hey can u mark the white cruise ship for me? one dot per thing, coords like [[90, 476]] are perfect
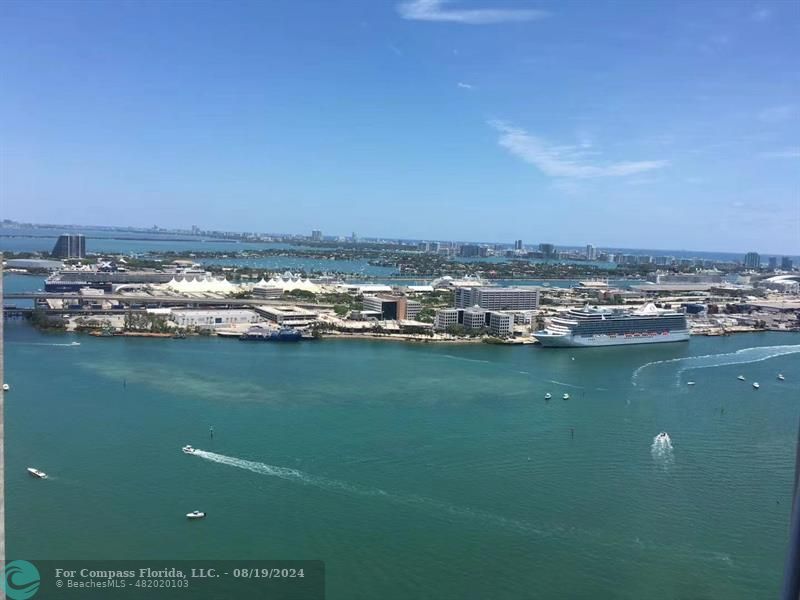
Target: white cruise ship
[[614, 327]]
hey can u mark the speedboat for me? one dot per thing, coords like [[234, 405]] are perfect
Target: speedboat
[[690, 383], [740, 378], [37, 473], [188, 450], [565, 397], [663, 437], [547, 396], [196, 514], [6, 387], [755, 385], [781, 377]]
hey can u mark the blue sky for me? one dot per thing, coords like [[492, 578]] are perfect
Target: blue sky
[[635, 124]]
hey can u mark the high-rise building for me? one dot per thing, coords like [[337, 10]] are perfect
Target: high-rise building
[[591, 253], [316, 235], [70, 245], [786, 263], [773, 263], [752, 260], [469, 250], [498, 298], [547, 250], [518, 245]]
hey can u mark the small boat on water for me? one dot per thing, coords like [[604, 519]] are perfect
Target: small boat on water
[[6, 387], [663, 438], [262, 334], [740, 378], [187, 449], [565, 397], [755, 385], [547, 396], [196, 514], [37, 473], [690, 383], [781, 377]]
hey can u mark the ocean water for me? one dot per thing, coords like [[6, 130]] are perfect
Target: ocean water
[[413, 471]]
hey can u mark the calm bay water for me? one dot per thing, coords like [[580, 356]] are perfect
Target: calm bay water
[[414, 471]]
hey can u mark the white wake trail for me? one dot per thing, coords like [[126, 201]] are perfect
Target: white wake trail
[[707, 361]]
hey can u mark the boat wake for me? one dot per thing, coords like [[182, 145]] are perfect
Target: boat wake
[[707, 361], [69, 345], [661, 449], [335, 485]]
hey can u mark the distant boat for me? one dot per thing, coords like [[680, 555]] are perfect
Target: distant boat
[[755, 385], [547, 396], [6, 387], [565, 397], [37, 473], [740, 378], [196, 514], [781, 377], [690, 383], [188, 450]]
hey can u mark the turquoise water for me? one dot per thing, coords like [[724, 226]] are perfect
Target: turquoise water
[[413, 471]]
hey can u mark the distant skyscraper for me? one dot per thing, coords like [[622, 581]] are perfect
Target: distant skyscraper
[[316, 235], [354, 237], [786, 263], [70, 246], [518, 245], [591, 253], [773, 263], [547, 250], [752, 260], [469, 250]]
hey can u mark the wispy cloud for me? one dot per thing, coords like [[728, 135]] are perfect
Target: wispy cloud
[[777, 114], [437, 10], [465, 86], [761, 14], [565, 161], [787, 153]]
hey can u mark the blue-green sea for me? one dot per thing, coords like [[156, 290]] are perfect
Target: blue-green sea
[[413, 471]]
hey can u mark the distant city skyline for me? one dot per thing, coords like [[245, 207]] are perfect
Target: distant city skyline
[[671, 125]]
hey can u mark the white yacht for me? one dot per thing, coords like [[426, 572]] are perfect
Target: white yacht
[[196, 514], [755, 385], [565, 397], [740, 378], [781, 377], [690, 383], [37, 473], [187, 449], [547, 396]]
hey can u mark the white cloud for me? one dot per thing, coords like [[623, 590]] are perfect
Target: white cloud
[[465, 86], [787, 153], [565, 161], [436, 10], [777, 114]]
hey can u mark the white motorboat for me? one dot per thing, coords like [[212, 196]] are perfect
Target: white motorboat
[[690, 383], [187, 449], [6, 387], [663, 438], [781, 377], [755, 385], [37, 473], [565, 397], [547, 396], [196, 514], [740, 378]]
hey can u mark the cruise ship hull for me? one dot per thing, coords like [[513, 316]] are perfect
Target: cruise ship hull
[[578, 341]]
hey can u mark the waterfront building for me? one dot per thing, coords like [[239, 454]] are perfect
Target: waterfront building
[[501, 324], [287, 316], [211, 319], [786, 263], [474, 318], [38, 264], [547, 250], [70, 245], [498, 298], [591, 253], [393, 308], [446, 318], [773, 263], [266, 292], [316, 235], [518, 245], [752, 260]]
